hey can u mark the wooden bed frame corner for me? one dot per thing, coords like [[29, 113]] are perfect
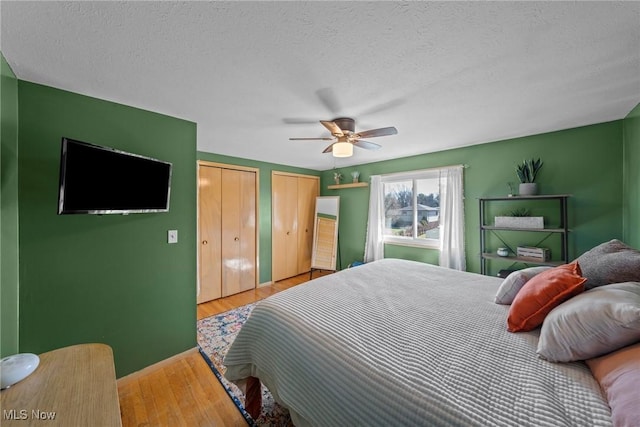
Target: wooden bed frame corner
[[253, 397]]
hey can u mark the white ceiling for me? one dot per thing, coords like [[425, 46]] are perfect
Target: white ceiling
[[445, 74]]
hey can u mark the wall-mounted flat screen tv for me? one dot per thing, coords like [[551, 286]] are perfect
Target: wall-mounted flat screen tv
[[103, 180]]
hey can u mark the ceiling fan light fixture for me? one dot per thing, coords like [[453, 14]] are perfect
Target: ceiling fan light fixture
[[343, 133], [342, 149]]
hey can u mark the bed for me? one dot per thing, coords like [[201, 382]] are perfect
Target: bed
[[397, 342]]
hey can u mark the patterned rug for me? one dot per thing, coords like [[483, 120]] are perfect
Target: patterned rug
[[215, 335]]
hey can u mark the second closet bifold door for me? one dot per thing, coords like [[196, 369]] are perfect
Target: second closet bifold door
[[307, 193], [293, 198], [238, 231], [285, 226]]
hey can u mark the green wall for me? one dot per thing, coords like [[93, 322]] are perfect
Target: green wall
[[584, 162], [111, 278], [264, 222], [9, 210], [631, 221]]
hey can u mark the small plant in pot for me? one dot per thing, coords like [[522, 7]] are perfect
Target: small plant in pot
[[527, 172], [520, 212], [337, 176]]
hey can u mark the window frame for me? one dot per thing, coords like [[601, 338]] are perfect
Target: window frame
[[412, 176]]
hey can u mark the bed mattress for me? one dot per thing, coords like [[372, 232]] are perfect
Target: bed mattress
[[397, 342]]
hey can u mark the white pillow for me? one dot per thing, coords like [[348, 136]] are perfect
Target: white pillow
[[596, 322], [514, 282]]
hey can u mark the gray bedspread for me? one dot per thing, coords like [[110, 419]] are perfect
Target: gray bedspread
[[402, 343]]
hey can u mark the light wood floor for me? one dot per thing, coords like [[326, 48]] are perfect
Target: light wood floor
[[182, 391]]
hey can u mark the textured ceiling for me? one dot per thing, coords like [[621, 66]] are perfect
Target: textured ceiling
[[253, 74]]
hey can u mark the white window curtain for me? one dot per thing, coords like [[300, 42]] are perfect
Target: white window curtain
[[374, 246], [452, 219]]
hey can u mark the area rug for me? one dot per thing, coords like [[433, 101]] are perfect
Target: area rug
[[215, 336]]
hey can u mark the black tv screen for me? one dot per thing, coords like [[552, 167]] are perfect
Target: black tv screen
[[103, 180]]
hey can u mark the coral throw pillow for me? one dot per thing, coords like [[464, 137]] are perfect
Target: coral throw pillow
[[541, 294]]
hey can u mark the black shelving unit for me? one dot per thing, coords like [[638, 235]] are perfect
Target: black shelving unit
[[562, 229]]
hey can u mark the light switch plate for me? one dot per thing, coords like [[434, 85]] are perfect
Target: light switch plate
[[172, 236]]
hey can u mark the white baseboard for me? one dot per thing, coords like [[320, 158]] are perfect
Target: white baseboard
[[262, 285]]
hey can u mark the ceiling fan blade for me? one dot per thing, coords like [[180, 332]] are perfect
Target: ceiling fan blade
[[328, 149], [311, 139], [333, 128], [298, 121], [377, 132], [382, 107], [329, 99], [366, 144]]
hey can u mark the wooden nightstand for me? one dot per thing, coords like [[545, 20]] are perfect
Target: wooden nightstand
[[72, 386]]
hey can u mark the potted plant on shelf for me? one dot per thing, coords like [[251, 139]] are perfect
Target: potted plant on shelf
[[337, 176], [527, 172]]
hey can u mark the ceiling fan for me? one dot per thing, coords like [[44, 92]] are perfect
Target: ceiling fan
[[345, 137]]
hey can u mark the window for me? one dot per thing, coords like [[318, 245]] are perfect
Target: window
[[412, 208], [420, 208], [412, 211]]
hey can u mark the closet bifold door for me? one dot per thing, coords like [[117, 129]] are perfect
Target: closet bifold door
[[209, 221], [284, 199], [307, 193], [227, 230], [292, 219], [238, 231]]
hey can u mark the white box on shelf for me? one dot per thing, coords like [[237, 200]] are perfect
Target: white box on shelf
[[535, 222], [542, 254]]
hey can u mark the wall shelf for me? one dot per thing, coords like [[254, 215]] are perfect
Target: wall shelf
[[351, 185], [523, 260], [485, 228], [538, 230]]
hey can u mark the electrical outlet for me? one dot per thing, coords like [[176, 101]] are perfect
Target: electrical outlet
[[172, 236]]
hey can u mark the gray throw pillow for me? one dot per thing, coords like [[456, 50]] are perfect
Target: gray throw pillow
[[596, 322], [610, 262]]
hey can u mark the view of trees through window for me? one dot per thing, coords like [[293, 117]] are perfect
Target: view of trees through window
[[412, 217]]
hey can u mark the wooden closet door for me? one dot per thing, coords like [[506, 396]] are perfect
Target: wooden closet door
[[307, 193], [238, 231], [209, 217], [284, 225]]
